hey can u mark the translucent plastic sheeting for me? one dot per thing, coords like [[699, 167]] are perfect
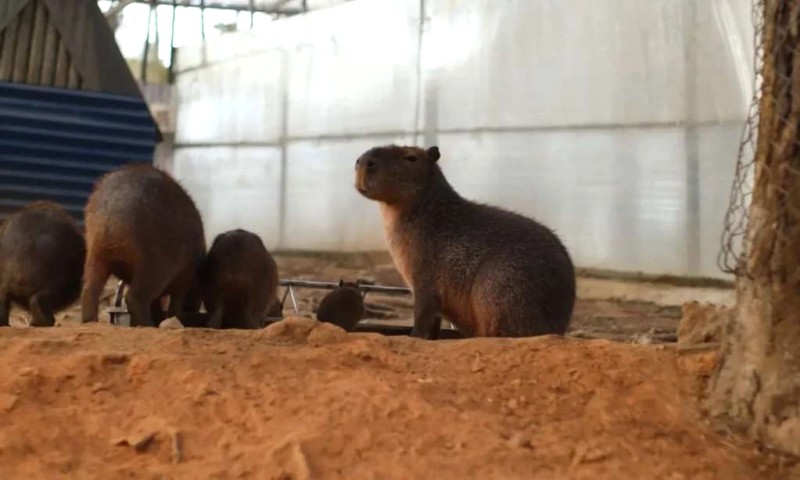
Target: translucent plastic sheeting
[[616, 122]]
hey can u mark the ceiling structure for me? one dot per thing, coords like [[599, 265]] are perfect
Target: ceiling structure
[[272, 7]]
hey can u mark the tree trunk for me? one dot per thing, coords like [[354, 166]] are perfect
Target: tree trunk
[[757, 386]]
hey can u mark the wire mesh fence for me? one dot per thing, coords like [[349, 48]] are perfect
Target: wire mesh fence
[[734, 239], [762, 225]]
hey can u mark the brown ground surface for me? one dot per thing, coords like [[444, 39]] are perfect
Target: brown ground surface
[[298, 400]]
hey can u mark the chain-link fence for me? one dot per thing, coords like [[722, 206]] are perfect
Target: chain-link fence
[[734, 239], [762, 226]]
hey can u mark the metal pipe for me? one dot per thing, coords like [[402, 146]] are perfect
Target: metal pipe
[[333, 285], [172, 43], [203, 22], [143, 72], [274, 9]]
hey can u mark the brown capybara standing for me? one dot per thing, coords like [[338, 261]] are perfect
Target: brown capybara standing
[[343, 306], [143, 228], [41, 262], [240, 281], [491, 272]]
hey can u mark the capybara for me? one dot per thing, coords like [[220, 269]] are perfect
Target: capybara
[[343, 306], [240, 281], [491, 272], [41, 262], [142, 227]]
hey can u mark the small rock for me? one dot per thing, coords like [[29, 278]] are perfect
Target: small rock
[[513, 404], [585, 453], [177, 446], [171, 323], [477, 365], [98, 387], [8, 401], [139, 442], [644, 338], [520, 440], [28, 372]]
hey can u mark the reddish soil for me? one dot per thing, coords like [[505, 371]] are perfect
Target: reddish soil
[[303, 401]]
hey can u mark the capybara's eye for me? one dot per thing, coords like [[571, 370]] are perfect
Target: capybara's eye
[[411, 158]]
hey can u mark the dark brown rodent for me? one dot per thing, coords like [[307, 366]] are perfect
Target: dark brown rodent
[[343, 306], [143, 228], [491, 272], [41, 262], [240, 281]]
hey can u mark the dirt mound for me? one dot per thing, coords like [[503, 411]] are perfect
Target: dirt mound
[[302, 400]]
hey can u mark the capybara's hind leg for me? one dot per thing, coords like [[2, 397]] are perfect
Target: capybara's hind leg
[[252, 320], [41, 309], [183, 299], [94, 280], [139, 302], [156, 311], [5, 309], [216, 318]]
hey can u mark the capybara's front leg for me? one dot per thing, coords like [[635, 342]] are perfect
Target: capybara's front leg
[[427, 314], [5, 309]]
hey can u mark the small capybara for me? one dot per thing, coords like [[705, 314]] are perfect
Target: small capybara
[[41, 262], [239, 281], [343, 306], [142, 227], [491, 272]]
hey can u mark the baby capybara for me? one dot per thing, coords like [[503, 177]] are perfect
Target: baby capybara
[[240, 281], [143, 228], [491, 272], [343, 306], [41, 262]]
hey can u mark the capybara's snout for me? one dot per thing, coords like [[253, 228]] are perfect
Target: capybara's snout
[[365, 166]]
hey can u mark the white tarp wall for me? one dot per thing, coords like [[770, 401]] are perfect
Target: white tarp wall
[[616, 122]]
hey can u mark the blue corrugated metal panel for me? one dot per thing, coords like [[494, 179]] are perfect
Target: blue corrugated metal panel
[[55, 143]]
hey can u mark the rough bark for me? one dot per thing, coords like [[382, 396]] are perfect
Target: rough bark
[[757, 386]]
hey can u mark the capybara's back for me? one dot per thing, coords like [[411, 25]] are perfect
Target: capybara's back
[[240, 281], [343, 306], [41, 262], [143, 228]]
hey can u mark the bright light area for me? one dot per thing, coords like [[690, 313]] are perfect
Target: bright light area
[[132, 28]]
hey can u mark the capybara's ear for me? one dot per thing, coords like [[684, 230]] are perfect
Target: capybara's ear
[[433, 153]]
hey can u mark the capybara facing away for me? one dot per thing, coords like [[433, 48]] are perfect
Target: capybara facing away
[[343, 306], [142, 227], [41, 262], [239, 281], [491, 272]]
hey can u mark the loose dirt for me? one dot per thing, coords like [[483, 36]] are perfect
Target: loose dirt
[[302, 400]]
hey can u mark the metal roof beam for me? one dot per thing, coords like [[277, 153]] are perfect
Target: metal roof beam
[[275, 9]]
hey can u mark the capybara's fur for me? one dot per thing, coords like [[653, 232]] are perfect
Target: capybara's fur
[[343, 306], [41, 262], [240, 281], [142, 227], [491, 272]]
